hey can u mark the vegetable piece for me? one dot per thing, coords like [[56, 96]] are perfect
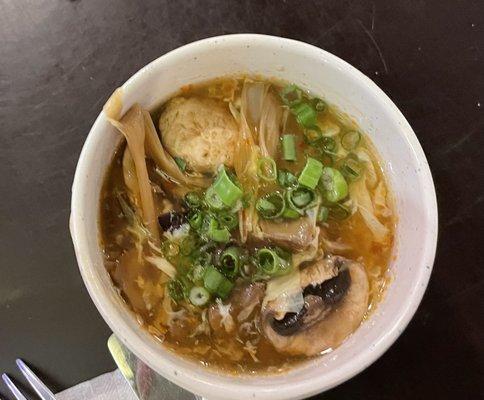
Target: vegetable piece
[[270, 263], [311, 173], [305, 115], [176, 289], [350, 140], [286, 179], [228, 220], [271, 205], [319, 105], [162, 265], [323, 214], [339, 212], [216, 283], [300, 199], [217, 234], [195, 219], [334, 185], [288, 148], [192, 200], [352, 167], [228, 192], [182, 164], [230, 261], [213, 200], [199, 296], [327, 144], [290, 214], [291, 95], [266, 169]]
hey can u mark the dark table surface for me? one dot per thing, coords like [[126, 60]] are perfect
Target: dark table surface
[[59, 62]]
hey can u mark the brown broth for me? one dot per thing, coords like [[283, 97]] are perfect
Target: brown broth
[[143, 286]]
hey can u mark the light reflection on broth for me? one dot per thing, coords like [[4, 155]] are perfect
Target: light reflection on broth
[[239, 263]]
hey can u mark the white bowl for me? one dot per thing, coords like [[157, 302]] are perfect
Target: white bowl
[[405, 166]]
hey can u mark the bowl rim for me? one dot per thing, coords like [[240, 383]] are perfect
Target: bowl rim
[[192, 380]]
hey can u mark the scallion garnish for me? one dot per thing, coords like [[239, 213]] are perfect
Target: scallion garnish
[[199, 296], [288, 147], [270, 263], [334, 185], [228, 192], [228, 220], [291, 95], [182, 164], [323, 214], [213, 200], [271, 205], [230, 261], [192, 200], [339, 212], [195, 219], [305, 115], [350, 140], [351, 167], [319, 104], [289, 213], [266, 169], [217, 234], [286, 179], [311, 173], [300, 199], [216, 283]]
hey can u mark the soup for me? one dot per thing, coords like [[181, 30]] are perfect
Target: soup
[[247, 223]]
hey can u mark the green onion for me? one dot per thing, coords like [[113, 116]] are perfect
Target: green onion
[[319, 104], [339, 212], [228, 192], [311, 173], [195, 219], [291, 95], [323, 214], [270, 263], [266, 169], [300, 199], [170, 249], [187, 245], [199, 296], [334, 184], [176, 289], [192, 200], [228, 220], [213, 200], [212, 278], [328, 144], [271, 205], [350, 140], [216, 283], [230, 261], [305, 115], [286, 179], [289, 213], [182, 164], [217, 234], [196, 273], [352, 167], [289, 148]]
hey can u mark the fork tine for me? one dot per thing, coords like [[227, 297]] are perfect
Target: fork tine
[[39, 387], [18, 395]]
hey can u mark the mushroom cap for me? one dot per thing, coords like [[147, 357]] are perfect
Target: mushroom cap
[[324, 323], [199, 130]]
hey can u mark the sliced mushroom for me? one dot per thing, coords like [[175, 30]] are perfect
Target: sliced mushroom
[[335, 301]]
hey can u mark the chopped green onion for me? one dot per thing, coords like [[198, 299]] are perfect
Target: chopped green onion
[[291, 95], [352, 167], [195, 219], [289, 213], [323, 214], [266, 169], [339, 212], [224, 289], [289, 148], [230, 261], [334, 184], [170, 249], [182, 164], [305, 115], [199, 296], [271, 263], [301, 198], [192, 200], [217, 234], [212, 278], [176, 289], [328, 144], [196, 273], [311, 173], [216, 283], [271, 205], [213, 200], [319, 104], [350, 140], [286, 179], [228, 192], [228, 220]]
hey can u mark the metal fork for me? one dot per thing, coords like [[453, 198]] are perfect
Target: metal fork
[[43, 391]]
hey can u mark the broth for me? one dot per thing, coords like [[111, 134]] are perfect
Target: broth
[[187, 329]]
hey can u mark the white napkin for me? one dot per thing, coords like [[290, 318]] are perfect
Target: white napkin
[[110, 386]]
